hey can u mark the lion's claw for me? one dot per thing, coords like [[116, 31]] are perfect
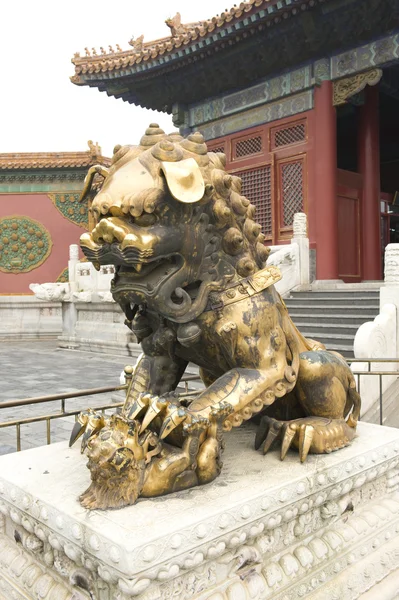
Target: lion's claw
[[177, 415], [141, 402], [88, 424], [307, 434], [269, 431], [156, 406]]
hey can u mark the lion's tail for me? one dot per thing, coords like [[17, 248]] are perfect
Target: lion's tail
[[353, 403]]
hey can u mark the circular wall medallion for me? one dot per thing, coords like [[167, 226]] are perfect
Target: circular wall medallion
[[24, 244]]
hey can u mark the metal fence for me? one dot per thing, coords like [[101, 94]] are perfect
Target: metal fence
[[63, 412], [376, 373], [63, 397]]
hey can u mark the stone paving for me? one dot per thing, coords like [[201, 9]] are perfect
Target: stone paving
[[39, 368]]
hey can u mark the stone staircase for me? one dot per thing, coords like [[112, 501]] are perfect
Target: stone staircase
[[333, 316]]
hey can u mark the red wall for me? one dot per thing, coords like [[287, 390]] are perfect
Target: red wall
[[62, 231]]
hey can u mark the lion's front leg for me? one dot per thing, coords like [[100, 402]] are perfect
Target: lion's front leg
[[153, 376], [245, 391]]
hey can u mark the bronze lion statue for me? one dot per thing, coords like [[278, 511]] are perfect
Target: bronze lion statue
[[192, 280]]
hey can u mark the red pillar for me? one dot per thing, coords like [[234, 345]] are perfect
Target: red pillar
[[369, 167], [326, 183]]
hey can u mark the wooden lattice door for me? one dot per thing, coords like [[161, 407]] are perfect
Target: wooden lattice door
[[257, 187], [272, 163]]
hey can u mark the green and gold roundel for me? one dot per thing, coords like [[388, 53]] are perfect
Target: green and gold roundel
[[70, 208], [24, 244]]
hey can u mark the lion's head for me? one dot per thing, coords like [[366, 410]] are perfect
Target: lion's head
[[174, 224]]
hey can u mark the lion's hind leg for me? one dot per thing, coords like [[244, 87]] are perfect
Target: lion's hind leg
[[326, 391], [314, 435]]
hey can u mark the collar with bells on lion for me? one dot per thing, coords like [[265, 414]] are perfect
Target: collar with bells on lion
[[244, 288]]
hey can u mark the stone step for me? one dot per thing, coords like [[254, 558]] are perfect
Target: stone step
[[360, 301], [310, 318], [329, 328], [333, 316], [336, 294], [340, 309], [330, 340], [345, 349]]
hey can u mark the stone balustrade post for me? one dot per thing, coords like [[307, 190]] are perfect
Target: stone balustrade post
[[72, 262], [389, 291], [300, 237]]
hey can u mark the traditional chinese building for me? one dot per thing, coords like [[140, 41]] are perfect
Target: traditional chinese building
[[302, 97], [40, 214]]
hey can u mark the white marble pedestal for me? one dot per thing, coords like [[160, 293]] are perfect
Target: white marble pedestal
[[324, 530]]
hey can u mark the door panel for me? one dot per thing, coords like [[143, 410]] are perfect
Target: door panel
[[349, 263]]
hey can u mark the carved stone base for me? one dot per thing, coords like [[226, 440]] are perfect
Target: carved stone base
[[97, 327], [325, 529]]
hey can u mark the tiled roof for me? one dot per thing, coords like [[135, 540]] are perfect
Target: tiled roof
[[182, 36], [53, 160]]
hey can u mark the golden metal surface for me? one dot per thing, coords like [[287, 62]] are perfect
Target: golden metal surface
[[192, 279]]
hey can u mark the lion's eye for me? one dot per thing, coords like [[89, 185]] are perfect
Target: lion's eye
[[145, 220]]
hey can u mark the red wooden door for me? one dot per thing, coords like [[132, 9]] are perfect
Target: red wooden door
[[349, 236]]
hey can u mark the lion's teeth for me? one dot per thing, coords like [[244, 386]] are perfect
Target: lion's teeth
[[138, 267]]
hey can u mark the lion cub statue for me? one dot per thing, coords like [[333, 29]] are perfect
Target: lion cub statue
[[192, 280]]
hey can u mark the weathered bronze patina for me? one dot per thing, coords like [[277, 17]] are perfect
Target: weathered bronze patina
[[192, 280]]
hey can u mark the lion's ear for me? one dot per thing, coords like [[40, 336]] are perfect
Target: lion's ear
[[184, 179]]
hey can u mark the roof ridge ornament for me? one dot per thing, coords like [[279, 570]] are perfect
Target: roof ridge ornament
[[137, 44], [94, 148], [177, 28]]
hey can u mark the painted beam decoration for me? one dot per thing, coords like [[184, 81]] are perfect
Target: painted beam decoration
[[24, 244]]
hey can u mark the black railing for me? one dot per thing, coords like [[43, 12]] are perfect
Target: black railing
[[63, 412], [63, 397]]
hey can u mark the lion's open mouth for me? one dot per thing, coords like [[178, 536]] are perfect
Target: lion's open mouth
[[153, 272], [132, 286]]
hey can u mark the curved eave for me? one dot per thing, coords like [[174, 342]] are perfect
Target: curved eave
[[265, 42], [105, 71]]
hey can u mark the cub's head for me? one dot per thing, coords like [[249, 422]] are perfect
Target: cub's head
[[116, 463]]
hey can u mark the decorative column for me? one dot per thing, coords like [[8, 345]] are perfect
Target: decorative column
[[369, 167], [326, 183]]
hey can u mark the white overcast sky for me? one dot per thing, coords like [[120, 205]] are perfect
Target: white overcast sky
[[40, 109]]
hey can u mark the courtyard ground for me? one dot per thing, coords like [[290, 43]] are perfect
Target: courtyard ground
[[39, 368]]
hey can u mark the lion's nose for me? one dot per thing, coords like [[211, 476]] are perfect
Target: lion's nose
[[104, 205], [109, 231]]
